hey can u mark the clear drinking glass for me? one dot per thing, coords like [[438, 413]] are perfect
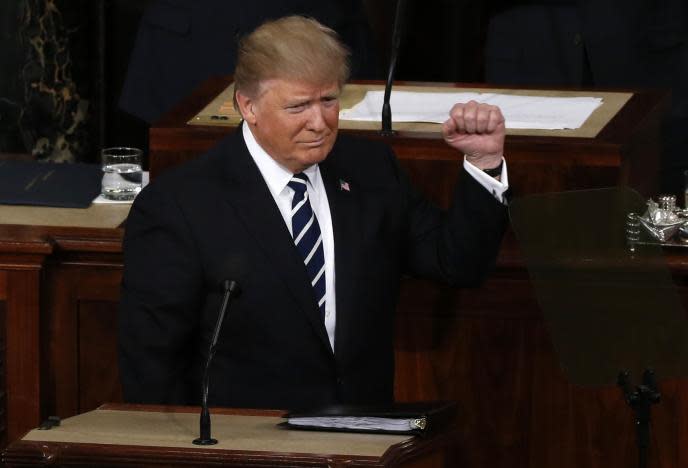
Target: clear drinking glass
[[121, 173]]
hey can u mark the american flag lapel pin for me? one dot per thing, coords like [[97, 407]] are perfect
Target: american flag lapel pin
[[344, 185]]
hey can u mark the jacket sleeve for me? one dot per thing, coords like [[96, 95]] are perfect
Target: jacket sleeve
[[457, 246], [160, 300]]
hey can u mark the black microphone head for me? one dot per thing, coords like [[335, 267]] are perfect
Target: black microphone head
[[231, 286], [231, 268]]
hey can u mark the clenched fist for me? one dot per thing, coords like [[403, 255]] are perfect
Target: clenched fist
[[477, 130]]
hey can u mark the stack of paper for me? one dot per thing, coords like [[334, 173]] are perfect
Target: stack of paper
[[524, 112]]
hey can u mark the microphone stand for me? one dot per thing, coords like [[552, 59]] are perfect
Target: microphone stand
[[231, 289], [396, 43], [641, 401]]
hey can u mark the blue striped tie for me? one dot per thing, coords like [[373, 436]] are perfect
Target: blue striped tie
[[307, 237]]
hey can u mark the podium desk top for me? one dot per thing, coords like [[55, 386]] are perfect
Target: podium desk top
[[137, 435], [233, 431], [101, 216]]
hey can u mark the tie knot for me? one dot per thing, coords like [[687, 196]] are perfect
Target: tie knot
[[298, 183]]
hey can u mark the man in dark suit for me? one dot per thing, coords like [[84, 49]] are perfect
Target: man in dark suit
[[317, 230], [635, 43], [181, 43]]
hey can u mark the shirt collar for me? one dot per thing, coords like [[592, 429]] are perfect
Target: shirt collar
[[276, 175]]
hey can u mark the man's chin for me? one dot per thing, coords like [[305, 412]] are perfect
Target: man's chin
[[315, 157], [316, 154]]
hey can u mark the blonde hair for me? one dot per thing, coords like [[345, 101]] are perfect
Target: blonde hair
[[294, 48]]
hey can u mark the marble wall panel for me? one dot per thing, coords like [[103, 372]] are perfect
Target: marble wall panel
[[44, 105]]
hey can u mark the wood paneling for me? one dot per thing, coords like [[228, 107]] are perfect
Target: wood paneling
[[81, 335], [22, 352], [3, 366], [22, 253], [28, 256], [3, 286]]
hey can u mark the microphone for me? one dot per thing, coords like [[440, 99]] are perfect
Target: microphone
[[396, 43], [231, 289]]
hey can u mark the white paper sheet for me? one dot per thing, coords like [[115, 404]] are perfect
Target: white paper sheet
[[524, 112]]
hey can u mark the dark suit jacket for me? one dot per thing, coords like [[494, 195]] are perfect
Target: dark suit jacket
[[215, 219], [180, 43]]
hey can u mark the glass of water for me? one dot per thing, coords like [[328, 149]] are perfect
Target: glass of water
[[121, 173]]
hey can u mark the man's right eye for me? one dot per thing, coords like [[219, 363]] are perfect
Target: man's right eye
[[296, 108]]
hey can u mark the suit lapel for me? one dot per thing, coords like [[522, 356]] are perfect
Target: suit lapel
[[344, 198], [256, 209]]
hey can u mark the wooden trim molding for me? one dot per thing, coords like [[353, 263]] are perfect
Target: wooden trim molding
[[22, 353], [23, 252], [3, 285]]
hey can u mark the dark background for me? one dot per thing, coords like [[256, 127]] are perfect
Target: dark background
[[63, 64]]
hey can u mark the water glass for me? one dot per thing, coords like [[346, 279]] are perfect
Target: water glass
[[121, 173]]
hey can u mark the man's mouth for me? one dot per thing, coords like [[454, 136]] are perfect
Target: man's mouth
[[314, 143]]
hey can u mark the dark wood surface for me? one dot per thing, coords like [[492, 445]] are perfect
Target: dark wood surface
[[21, 258], [3, 362], [39, 306], [624, 152], [416, 452]]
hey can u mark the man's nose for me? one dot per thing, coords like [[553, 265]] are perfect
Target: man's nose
[[316, 118]]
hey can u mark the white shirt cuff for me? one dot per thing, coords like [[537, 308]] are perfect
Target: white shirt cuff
[[492, 185]]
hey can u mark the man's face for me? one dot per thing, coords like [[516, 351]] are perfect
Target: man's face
[[295, 122]]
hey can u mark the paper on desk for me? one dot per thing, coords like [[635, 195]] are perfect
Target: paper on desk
[[526, 112]]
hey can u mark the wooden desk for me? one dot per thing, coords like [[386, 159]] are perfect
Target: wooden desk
[[150, 436], [626, 151], [59, 286]]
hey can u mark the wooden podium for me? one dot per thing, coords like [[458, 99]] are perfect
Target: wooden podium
[[127, 435]]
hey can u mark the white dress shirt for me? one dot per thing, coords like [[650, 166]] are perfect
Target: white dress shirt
[[494, 186], [277, 177]]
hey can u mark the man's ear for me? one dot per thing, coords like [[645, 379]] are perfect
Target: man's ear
[[245, 104]]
